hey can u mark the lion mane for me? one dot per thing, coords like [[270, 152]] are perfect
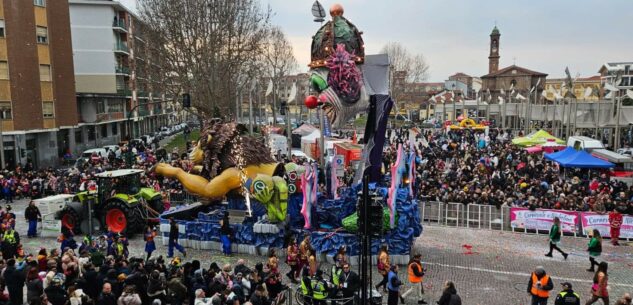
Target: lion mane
[[220, 152]]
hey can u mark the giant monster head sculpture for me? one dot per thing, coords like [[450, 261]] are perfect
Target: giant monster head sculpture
[[337, 53]]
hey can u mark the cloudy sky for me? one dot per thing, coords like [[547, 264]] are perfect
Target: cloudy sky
[[453, 36]]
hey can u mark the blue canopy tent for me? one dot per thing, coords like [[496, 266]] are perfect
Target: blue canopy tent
[[560, 154], [578, 159]]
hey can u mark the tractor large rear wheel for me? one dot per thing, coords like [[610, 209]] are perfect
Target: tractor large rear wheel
[[120, 217], [70, 219]]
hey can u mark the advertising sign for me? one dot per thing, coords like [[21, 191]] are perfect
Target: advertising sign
[[542, 220], [600, 222]]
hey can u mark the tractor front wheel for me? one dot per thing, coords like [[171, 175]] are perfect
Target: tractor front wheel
[[70, 219], [119, 217]]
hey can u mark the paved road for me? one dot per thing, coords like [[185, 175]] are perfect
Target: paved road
[[494, 271]]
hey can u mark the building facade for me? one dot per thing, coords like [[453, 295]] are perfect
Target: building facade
[[580, 90], [37, 95], [499, 81], [618, 74], [118, 75]]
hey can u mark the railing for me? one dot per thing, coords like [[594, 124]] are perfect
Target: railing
[[124, 91], [119, 23], [489, 217], [121, 47], [122, 70]]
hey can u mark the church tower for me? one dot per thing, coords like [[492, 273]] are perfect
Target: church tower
[[493, 59]]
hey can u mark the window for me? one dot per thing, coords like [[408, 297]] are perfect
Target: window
[[39, 2], [5, 110], [101, 106], [91, 133], [78, 136], [45, 73], [104, 130], [115, 106], [48, 109], [115, 129], [1, 28], [4, 70], [42, 34]]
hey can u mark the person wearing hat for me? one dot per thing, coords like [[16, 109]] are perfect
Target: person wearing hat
[[416, 274], [567, 296], [539, 286]]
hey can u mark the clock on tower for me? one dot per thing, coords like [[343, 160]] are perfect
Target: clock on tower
[[493, 59]]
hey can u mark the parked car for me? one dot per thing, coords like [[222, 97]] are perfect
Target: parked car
[[102, 152]]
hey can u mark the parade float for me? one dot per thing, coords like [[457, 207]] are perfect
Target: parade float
[[270, 202]]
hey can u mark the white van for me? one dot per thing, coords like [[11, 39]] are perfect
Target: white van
[[586, 143], [102, 152]]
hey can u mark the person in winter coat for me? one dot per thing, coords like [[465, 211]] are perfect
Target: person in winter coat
[[449, 296], [34, 287], [594, 248], [539, 286], [32, 215], [14, 279], [129, 296], [177, 290], [156, 287], [77, 296], [554, 238], [393, 286], [173, 239], [567, 296], [600, 283], [56, 294], [107, 297]]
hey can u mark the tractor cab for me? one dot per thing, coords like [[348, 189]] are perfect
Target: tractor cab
[[123, 183]]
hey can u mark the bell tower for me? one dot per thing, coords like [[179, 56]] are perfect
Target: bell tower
[[493, 59]]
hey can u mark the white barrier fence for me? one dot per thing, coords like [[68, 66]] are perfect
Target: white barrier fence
[[490, 217]]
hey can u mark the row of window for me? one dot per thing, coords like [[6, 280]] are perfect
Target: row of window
[[48, 110], [41, 32], [45, 71], [92, 132]]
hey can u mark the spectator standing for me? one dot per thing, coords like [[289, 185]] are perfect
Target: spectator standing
[[600, 282], [107, 297], [34, 287], [416, 274], [567, 296], [555, 234], [14, 279], [383, 265], [32, 215], [129, 296], [10, 242], [615, 221], [594, 248], [449, 295], [539, 286], [292, 259], [393, 286], [349, 282], [177, 290], [225, 234], [624, 300], [173, 239], [57, 295]]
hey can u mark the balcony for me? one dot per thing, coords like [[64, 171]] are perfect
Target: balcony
[[141, 94], [119, 25], [125, 91], [121, 48], [143, 112], [122, 70]]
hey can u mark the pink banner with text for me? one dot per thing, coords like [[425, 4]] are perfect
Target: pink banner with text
[[542, 220], [601, 223]]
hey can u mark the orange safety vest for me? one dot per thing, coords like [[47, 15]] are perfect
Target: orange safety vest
[[412, 277], [539, 292]]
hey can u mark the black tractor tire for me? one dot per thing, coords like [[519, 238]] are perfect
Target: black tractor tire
[[70, 219], [157, 205], [118, 215]]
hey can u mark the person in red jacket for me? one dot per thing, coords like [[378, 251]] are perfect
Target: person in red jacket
[[615, 221]]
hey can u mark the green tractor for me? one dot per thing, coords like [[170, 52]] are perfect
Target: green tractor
[[119, 204]]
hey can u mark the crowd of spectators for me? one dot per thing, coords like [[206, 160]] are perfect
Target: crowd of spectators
[[470, 167]]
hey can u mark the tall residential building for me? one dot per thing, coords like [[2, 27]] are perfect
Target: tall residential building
[[37, 94], [614, 71], [118, 78]]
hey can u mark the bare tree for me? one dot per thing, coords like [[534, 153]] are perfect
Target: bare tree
[[279, 61], [206, 45], [405, 68]]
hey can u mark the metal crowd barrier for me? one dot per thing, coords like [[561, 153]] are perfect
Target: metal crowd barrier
[[456, 214]]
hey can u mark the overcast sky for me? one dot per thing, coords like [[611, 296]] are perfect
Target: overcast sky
[[453, 36]]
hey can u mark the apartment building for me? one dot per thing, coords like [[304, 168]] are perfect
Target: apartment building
[[37, 95]]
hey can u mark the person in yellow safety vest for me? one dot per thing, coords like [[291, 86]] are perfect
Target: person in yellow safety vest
[[539, 286], [319, 289], [306, 286], [118, 247], [10, 242], [337, 270], [416, 274]]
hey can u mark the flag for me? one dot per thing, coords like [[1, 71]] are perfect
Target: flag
[[503, 92], [512, 86], [443, 99], [629, 93], [609, 95], [512, 92], [520, 97], [293, 93], [544, 93], [588, 92], [532, 90], [500, 100], [568, 79], [374, 137], [489, 95], [269, 90]]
